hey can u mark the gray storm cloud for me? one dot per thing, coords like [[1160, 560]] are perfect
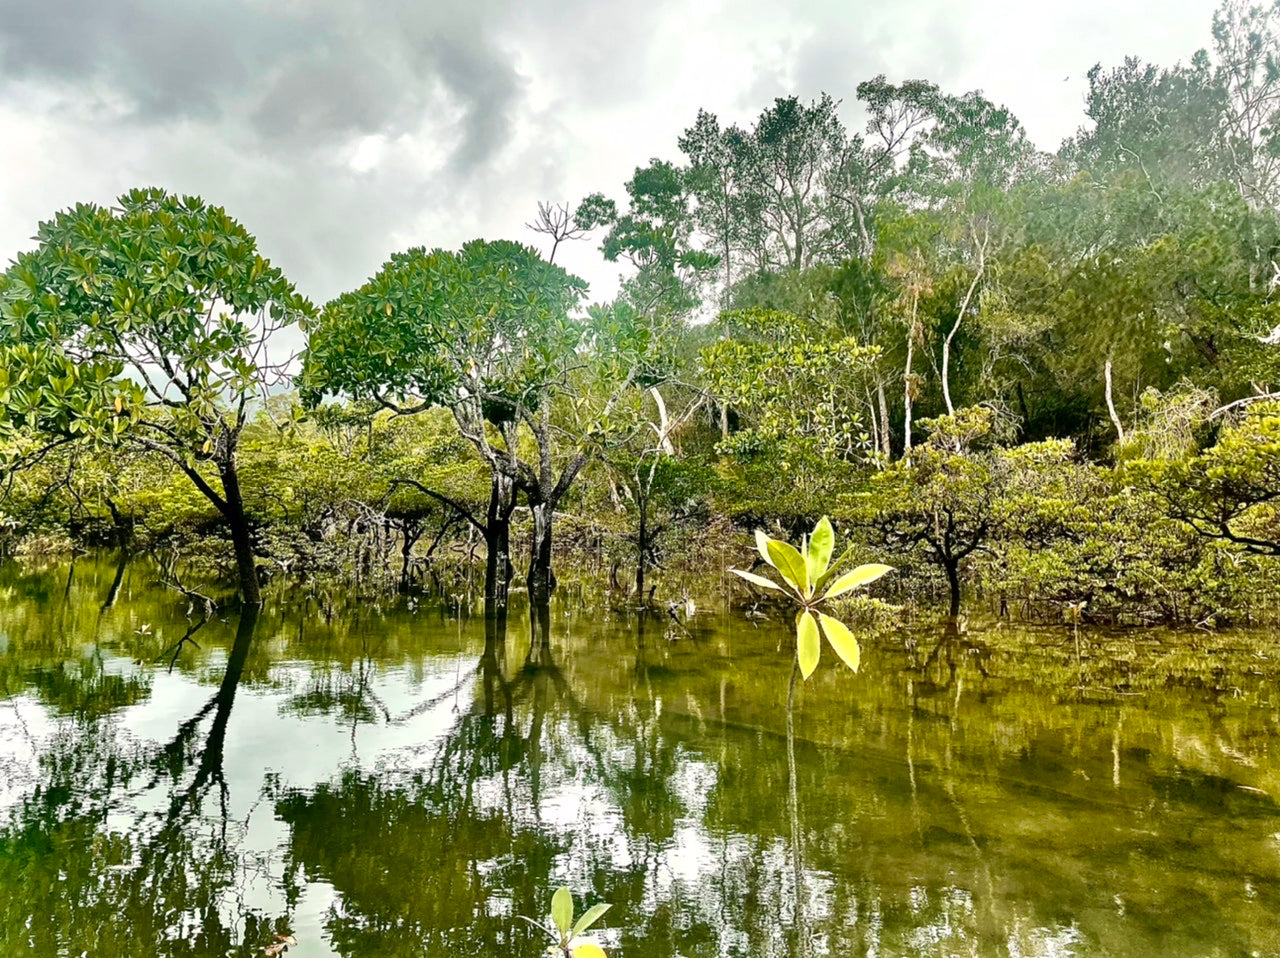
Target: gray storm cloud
[[341, 130], [293, 73]]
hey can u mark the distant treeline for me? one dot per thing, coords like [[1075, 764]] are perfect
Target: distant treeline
[[1052, 375]]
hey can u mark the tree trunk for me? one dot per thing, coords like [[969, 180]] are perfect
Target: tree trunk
[[241, 538], [964, 308], [886, 444], [906, 396], [642, 542], [410, 535], [952, 567], [541, 579], [121, 525], [1111, 406], [497, 539]]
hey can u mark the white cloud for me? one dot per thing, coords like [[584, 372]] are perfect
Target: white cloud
[[339, 132]]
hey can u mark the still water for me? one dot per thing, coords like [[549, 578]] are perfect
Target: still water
[[378, 777]]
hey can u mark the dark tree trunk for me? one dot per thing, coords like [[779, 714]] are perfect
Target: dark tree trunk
[[952, 567], [497, 539], [241, 538], [409, 538], [541, 579], [121, 525], [642, 542]]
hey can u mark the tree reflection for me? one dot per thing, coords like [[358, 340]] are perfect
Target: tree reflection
[[960, 795], [113, 854], [441, 861]]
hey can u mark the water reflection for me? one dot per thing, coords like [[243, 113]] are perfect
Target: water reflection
[[382, 778], [116, 850]]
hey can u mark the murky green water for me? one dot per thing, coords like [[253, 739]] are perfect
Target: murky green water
[[381, 780]]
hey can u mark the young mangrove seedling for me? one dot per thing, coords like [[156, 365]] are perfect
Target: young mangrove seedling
[[809, 579], [564, 934]]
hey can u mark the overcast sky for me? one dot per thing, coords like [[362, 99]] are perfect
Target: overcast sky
[[339, 131]]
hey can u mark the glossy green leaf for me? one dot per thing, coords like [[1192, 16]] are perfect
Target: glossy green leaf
[[589, 918], [762, 545], [757, 579], [821, 545], [832, 570], [562, 910], [862, 575], [787, 559], [808, 643], [841, 640]]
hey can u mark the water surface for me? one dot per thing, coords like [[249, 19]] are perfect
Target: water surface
[[382, 777]]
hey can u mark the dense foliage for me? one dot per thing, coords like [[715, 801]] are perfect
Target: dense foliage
[[1047, 375]]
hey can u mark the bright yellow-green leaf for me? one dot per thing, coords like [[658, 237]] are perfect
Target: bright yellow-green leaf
[[588, 950], [562, 910], [832, 569], [757, 579], [589, 918], [787, 559], [862, 575], [821, 544], [762, 545], [841, 640], [808, 643]]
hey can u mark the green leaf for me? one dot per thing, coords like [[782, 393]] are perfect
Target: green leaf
[[808, 643], [841, 640], [862, 575], [821, 544], [562, 910], [757, 579], [589, 918], [787, 559], [762, 545], [832, 569]]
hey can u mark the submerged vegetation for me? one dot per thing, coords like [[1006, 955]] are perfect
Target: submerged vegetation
[[1047, 380]]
